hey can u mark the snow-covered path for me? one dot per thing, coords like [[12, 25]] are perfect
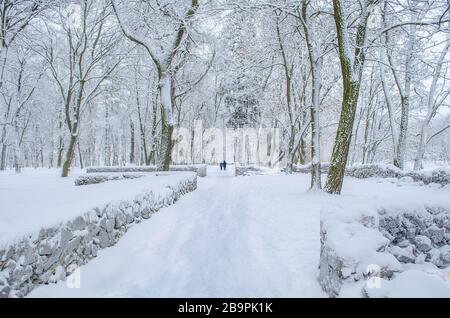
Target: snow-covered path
[[233, 237]]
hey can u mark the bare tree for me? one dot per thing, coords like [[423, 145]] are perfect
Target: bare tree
[[351, 68], [79, 82], [316, 62], [164, 64], [15, 16], [433, 102]]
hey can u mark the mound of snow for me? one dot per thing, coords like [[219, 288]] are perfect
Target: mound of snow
[[413, 284]]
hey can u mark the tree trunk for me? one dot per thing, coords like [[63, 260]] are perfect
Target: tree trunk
[[315, 62], [4, 144], [60, 152], [351, 78], [107, 137], [69, 155], [166, 144], [3, 158], [399, 160], [132, 143], [343, 138], [316, 183], [17, 152], [167, 124], [302, 151], [151, 158], [80, 155]]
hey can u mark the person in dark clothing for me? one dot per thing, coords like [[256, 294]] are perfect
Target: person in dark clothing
[[221, 166], [224, 164]]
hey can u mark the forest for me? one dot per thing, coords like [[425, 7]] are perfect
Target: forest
[[223, 149], [106, 82]]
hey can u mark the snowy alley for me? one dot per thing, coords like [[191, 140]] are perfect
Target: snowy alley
[[224, 149], [239, 237], [254, 236]]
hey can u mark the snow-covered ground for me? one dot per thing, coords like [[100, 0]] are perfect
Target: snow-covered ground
[[39, 197], [255, 236], [240, 237]]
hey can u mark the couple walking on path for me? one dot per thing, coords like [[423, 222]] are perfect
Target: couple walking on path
[[223, 165]]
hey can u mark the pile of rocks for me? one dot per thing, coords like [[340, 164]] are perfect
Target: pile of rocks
[[419, 238], [54, 252]]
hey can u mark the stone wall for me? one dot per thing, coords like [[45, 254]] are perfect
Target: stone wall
[[324, 166], [201, 169], [94, 178], [247, 170], [439, 175], [252, 170], [330, 267], [54, 252], [417, 237]]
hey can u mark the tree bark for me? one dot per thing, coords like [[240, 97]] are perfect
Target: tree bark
[[167, 124], [132, 143], [69, 155], [315, 62], [351, 78]]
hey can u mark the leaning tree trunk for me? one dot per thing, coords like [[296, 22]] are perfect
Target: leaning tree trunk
[[69, 155], [351, 79], [343, 137], [80, 155]]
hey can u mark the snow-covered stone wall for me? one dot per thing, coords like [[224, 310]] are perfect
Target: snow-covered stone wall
[[324, 166], [94, 178], [251, 170], [55, 252], [382, 245], [438, 175], [200, 169]]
